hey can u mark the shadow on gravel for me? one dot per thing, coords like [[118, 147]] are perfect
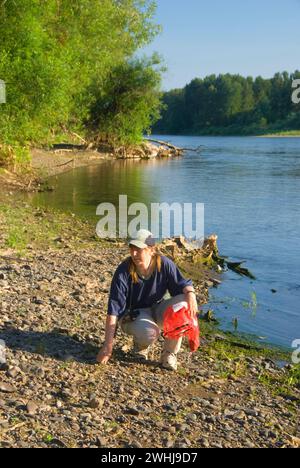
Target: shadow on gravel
[[55, 344], [126, 359]]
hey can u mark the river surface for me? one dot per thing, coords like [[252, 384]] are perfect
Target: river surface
[[251, 191]]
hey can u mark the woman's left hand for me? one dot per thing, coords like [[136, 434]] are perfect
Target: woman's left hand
[[193, 305]]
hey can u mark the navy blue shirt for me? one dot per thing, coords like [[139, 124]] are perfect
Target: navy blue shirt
[[146, 292]]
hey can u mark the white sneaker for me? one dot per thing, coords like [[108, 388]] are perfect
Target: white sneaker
[[141, 355], [169, 361]]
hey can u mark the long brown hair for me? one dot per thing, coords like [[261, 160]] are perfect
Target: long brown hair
[[156, 260]]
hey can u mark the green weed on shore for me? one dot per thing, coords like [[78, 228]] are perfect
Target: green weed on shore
[[25, 228]]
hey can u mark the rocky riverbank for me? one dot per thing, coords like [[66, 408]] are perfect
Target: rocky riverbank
[[54, 288]]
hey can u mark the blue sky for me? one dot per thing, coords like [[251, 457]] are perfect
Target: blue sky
[[200, 37]]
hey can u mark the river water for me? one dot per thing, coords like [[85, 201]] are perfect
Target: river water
[[251, 191]]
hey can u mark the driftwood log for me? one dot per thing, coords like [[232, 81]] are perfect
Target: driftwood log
[[64, 164], [163, 143], [192, 257], [172, 147], [160, 149]]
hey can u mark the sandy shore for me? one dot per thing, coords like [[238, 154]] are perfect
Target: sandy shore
[[49, 163]]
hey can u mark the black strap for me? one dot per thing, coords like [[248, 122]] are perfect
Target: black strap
[[131, 295], [133, 314]]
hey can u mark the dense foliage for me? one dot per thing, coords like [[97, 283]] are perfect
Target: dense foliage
[[231, 104], [128, 102], [58, 57]]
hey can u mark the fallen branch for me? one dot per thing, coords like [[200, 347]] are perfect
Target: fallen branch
[[68, 147], [169, 145], [164, 143], [79, 137], [237, 268], [195, 150], [64, 164]]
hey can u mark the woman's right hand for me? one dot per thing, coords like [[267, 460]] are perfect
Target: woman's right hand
[[104, 354]]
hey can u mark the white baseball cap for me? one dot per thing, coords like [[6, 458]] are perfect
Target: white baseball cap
[[142, 239]]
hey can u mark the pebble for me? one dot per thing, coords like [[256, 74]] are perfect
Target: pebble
[[6, 388], [32, 408], [96, 402], [13, 372]]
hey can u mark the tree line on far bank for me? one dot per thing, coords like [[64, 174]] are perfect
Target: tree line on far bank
[[71, 67], [231, 105]]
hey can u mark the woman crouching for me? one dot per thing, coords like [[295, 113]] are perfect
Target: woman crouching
[[137, 301]]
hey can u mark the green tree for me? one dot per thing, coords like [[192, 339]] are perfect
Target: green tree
[[173, 116], [231, 104], [280, 96], [57, 55], [128, 103]]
